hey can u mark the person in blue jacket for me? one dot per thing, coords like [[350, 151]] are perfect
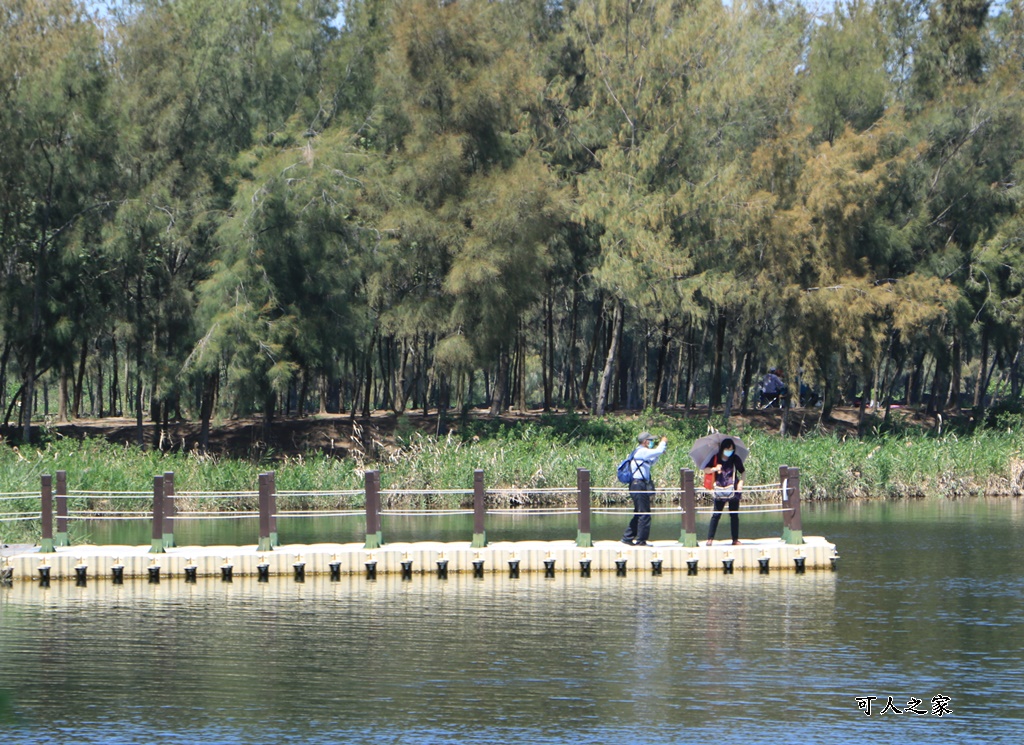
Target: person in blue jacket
[[641, 488]]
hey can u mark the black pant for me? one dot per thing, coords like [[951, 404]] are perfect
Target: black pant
[[734, 517], [639, 528]]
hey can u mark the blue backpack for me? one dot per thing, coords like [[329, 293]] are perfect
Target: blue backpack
[[625, 469]]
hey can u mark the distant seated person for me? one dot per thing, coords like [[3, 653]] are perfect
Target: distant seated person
[[808, 396], [773, 389]]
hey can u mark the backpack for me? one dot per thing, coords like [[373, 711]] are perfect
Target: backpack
[[709, 478], [625, 469]]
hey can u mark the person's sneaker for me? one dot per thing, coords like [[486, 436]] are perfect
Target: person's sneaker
[[643, 543], [628, 542]]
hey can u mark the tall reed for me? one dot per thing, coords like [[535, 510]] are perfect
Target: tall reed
[[521, 460]]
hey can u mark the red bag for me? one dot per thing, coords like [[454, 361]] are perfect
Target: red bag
[[709, 478]]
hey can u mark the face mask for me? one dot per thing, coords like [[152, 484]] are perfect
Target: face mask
[[727, 453]]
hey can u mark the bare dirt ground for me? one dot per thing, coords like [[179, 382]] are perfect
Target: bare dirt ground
[[337, 434]]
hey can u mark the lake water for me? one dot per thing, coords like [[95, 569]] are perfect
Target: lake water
[[927, 604]]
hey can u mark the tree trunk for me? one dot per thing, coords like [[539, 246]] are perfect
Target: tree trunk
[[115, 382], [694, 365], [659, 395], [1013, 373], [62, 395], [500, 384], [368, 374], [76, 405], [570, 391], [3, 374], [210, 383], [28, 396], [548, 358], [956, 373], [715, 396], [869, 383], [156, 414], [609, 364], [588, 365], [624, 372], [982, 364], [398, 378], [985, 378], [749, 364]]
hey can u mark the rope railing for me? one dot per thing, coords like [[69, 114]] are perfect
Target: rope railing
[[419, 492], [341, 493], [217, 516], [214, 494], [131, 516], [425, 513], [165, 502], [318, 513], [115, 494]]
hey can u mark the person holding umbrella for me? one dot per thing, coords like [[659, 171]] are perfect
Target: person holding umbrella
[[641, 488], [722, 457]]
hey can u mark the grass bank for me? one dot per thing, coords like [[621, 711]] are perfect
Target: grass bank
[[533, 455]]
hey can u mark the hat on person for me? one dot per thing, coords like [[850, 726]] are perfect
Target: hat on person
[[644, 437]]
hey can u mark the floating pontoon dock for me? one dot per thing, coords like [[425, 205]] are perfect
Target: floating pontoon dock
[[56, 559], [113, 562]]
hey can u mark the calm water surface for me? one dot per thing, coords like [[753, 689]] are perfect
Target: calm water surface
[[928, 601]]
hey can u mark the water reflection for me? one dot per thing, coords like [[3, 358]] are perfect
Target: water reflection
[[392, 655], [926, 602]]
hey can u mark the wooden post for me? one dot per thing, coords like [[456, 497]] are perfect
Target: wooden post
[[46, 514], [157, 543], [479, 511], [688, 506], [272, 484], [583, 536], [784, 485], [796, 528], [264, 544], [61, 538], [170, 509], [373, 530]]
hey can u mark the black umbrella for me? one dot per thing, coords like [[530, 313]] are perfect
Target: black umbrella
[[710, 445]]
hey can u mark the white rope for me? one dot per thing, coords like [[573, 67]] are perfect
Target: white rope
[[535, 511], [36, 515], [18, 519], [345, 493], [422, 513], [218, 516], [316, 514], [629, 511], [339, 513], [393, 492], [12, 496], [674, 491], [190, 513], [92, 513], [86, 517], [216, 494], [76, 493], [746, 510], [532, 490]]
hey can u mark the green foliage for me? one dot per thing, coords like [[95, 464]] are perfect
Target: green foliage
[[222, 208]]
